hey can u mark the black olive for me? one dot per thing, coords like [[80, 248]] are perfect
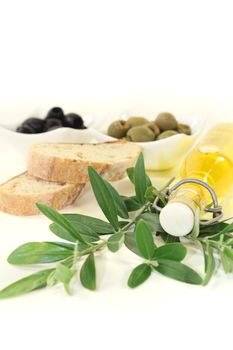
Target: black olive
[[56, 113], [73, 120], [36, 124], [25, 129], [52, 123], [55, 119]]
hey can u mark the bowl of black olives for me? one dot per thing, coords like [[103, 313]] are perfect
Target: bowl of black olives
[[164, 139], [55, 126], [55, 119]]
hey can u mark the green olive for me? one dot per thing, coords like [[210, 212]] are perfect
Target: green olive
[[140, 134], [118, 129], [166, 134], [184, 129], [166, 121], [154, 128], [136, 121]]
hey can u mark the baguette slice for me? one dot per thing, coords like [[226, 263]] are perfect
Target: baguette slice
[[19, 194], [67, 162]]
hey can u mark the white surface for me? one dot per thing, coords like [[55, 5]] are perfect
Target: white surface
[[177, 219], [142, 316], [104, 57]]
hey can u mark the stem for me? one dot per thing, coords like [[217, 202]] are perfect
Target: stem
[[68, 261], [215, 244], [167, 184], [230, 241], [92, 249], [125, 228], [72, 260], [75, 256]]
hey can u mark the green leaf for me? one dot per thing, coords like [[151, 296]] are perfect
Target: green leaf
[[39, 253], [144, 240], [97, 225], [227, 229], [139, 275], [227, 259], [130, 243], [61, 233], [64, 275], [120, 204], [82, 247], [212, 229], [88, 234], [88, 273], [123, 223], [209, 264], [131, 203], [51, 280], [130, 173], [63, 245], [152, 220], [152, 193], [140, 179], [61, 221], [196, 227], [170, 251], [26, 284], [104, 197], [217, 231], [168, 238], [115, 241], [228, 241], [178, 271]]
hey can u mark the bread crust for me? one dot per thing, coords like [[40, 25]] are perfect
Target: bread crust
[[24, 204], [60, 169]]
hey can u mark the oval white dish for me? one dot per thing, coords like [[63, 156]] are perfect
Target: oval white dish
[[21, 142]]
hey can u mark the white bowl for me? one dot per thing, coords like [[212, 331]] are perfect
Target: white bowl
[[21, 142], [166, 153], [158, 155]]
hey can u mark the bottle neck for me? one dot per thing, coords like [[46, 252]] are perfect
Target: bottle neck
[[190, 195]]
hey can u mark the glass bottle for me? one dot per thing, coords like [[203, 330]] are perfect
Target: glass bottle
[[211, 161]]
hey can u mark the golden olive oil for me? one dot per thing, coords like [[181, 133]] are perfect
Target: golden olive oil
[[212, 162]]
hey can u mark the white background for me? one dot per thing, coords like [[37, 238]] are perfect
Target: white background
[[102, 58]]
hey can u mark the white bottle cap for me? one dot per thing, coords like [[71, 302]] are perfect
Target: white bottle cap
[[177, 219]]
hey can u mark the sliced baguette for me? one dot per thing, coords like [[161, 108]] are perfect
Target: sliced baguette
[[67, 162], [19, 194]]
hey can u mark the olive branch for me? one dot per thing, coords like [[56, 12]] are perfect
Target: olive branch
[[132, 223]]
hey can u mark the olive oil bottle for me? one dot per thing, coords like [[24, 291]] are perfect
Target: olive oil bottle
[[211, 162]]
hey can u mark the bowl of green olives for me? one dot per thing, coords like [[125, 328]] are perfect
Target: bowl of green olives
[[164, 139]]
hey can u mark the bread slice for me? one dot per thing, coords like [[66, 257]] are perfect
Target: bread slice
[[68, 162], [19, 194]]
